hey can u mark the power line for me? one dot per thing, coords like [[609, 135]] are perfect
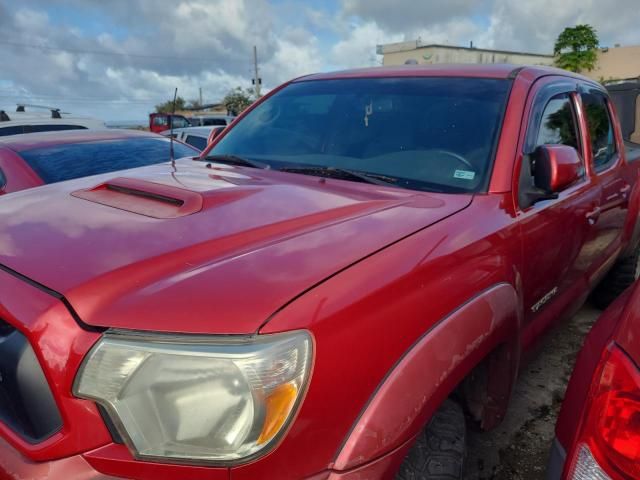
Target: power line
[[103, 52], [82, 102], [14, 94]]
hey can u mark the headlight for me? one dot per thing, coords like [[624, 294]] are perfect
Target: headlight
[[195, 399]]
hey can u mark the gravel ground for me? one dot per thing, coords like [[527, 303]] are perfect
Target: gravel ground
[[518, 449]]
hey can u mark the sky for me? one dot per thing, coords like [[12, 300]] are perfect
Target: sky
[[117, 59]]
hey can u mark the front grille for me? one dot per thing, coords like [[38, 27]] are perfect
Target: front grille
[[26, 403]]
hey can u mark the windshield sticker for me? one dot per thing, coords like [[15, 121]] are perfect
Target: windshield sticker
[[464, 174]]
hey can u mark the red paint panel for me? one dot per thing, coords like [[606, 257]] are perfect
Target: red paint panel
[[59, 344], [421, 380]]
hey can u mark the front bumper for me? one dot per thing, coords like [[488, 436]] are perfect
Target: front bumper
[[15, 466]]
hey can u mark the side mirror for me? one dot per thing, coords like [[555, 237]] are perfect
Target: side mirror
[[547, 171], [215, 131], [556, 167]]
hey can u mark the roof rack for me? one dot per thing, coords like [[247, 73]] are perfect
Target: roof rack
[[55, 112], [4, 117]]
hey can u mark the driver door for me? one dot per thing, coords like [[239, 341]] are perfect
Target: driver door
[[557, 234]]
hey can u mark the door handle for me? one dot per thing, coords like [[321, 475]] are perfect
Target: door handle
[[625, 190], [593, 215]]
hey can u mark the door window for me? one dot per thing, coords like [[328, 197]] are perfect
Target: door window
[[162, 121], [199, 142], [180, 122], [603, 144], [558, 125]]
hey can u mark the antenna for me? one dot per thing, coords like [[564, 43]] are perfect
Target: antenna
[[173, 112]]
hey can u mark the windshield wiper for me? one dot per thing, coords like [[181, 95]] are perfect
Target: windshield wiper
[[236, 160], [342, 174]]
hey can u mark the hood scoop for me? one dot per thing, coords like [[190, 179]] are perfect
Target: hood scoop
[[144, 198]]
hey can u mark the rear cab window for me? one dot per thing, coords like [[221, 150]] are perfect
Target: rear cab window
[[68, 161]]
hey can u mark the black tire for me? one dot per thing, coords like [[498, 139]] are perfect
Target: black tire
[[439, 451], [622, 275]]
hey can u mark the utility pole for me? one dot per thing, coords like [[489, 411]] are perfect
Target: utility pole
[[200, 88], [256, 79]]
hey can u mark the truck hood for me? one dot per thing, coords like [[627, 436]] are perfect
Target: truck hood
[[192, 249]]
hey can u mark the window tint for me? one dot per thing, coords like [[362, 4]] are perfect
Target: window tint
[[52, 128], [11, 131], [558, 125], [198, 142], [432, 134], [179, 122], [64, 162], [603, 143], [214, 121]]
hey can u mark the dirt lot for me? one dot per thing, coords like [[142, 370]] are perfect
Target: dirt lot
[[518, 449]]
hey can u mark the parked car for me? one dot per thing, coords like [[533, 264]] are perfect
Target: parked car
[[210, 120], [39, 158], [197, 137], [357, 260], [159, 122], [598, 430], [36, 120]]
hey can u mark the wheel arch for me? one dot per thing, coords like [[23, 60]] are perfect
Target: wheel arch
[[485, 328]]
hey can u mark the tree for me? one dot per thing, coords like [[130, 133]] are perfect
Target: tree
[[576, 48], [237, 99], [167, 107]]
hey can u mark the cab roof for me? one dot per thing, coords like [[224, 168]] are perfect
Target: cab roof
[[495, 70]]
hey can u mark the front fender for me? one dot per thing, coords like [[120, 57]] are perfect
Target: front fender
[[430, 370]]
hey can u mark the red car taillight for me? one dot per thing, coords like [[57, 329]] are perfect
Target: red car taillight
[[609, 442]]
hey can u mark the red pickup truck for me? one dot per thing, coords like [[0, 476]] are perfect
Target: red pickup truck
[[334, 290]]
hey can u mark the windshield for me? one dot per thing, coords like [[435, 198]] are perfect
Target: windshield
[[75, 160], [432, 134]]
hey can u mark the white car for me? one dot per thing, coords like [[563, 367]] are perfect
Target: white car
[[210, 120], [195, 136], [43, 119]]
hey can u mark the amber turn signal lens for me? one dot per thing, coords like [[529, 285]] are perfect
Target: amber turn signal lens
[[278, 405]]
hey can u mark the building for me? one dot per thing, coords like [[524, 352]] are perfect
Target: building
[[617, 63], [399, 53], [206, 109]]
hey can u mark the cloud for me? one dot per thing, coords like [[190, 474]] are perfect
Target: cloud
[[405, 16], [117, 59], [358, 48], [534, 26], [192, 44]]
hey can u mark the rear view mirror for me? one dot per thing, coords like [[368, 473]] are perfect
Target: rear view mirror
[[556, 167], [215, 131]]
